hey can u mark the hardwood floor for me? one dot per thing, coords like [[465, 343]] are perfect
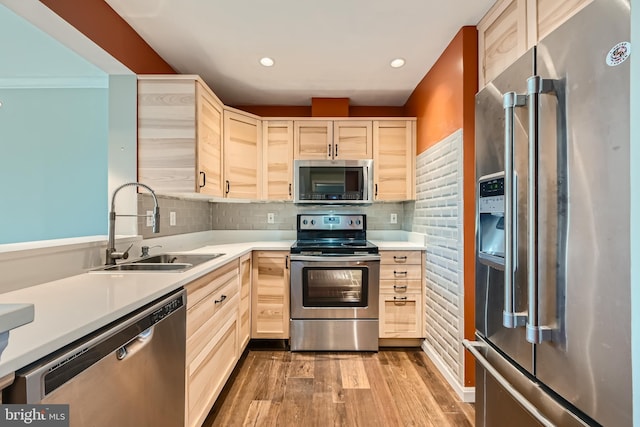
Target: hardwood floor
[[395, 387]]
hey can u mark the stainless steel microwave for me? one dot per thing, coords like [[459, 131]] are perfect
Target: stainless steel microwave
[[336, 182]]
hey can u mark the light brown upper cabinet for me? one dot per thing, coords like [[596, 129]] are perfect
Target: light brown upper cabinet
[[394, 147], [179, 135], [334, 140], [242, 136], [511, 27], [277, 159], [352, 140], [547, 15], [502, 38]]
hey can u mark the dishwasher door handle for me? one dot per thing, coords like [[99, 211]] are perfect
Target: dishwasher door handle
[[135, 344]]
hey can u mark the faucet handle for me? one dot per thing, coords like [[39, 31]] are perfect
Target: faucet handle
[[125, 254]]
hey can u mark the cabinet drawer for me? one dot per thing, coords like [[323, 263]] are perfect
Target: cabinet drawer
[[209, 306], [400, 316], [400, 286], [400, 257], [207, 373], [406, 272], [200, 288]]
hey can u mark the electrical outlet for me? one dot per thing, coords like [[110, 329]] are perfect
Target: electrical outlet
[[271, 218], [172, 218], [393, 219], [149, 218]]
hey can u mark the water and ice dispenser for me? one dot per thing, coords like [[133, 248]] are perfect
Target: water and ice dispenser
[[491, 221]]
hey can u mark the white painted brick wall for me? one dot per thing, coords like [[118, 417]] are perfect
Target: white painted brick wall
[[438, 214]]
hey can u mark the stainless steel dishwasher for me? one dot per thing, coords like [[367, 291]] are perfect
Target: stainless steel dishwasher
[[130, 373]]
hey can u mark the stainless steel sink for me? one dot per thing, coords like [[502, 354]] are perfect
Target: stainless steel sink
[[170, 258], [170, 262]]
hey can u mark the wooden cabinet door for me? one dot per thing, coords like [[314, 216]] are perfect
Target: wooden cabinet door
[[394, 160], [241, 154], [244, 316], [270, 295], [352, 140], [167, 134], [277, 159], [544, 16], [502, 38], [209, 136], [313, 140]]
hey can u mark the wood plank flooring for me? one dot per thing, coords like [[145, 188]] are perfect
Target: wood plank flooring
[[395, 387]]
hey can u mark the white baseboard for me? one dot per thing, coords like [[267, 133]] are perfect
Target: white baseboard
[[466, 394]]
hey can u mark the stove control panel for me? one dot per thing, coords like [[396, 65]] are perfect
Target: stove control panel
[[331, 222]]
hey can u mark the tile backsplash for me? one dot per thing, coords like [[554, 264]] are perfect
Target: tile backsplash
[[201, 215], [253, 216], [191, 215]]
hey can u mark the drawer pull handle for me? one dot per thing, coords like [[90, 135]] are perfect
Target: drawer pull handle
[[399, 273], [219, 301], [400, 300], [399, 258], [400, 287]]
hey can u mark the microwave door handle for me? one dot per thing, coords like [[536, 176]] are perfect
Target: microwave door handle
[[536, 333], [510, 317]]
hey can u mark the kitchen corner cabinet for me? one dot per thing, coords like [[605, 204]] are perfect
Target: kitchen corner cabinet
[[277, 159], [270, 295], [401, 294], [333, 139], [212, 348], [242, 134], [244, 314], [394, 148], [179, 135], [511, 27]]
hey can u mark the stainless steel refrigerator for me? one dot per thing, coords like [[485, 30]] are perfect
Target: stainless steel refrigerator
[[553, 325]]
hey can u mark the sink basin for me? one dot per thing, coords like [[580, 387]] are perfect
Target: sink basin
[[147, 267], [162, 262], [170, 258]]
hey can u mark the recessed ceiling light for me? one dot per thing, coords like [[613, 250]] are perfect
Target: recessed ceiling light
[[397, 63], [267, 62]]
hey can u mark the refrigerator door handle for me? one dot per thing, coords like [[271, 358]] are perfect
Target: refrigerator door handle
[[510, 317], [472, 347], [536, 333]]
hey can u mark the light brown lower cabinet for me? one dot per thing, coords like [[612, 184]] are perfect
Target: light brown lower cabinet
[[212, 346], [270, 295], [401, 290], [244, 328]]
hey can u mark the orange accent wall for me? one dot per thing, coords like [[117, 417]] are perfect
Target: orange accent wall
[[100, 23], [330, 107], [305, 111], [376, 111], [276, 110], [443, 102]]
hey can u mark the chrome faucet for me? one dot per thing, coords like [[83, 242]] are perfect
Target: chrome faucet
[[112, 255]]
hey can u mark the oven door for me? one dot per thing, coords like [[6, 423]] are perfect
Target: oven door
[[335, 286]]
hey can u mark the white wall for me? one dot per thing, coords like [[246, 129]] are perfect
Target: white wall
[[635, 207]]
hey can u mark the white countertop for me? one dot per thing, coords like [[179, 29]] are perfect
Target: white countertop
[[70, 308]]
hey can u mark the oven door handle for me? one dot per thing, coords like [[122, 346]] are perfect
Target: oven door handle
[[333, 258]]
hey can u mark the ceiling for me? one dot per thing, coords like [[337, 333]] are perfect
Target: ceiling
[[321, 48]]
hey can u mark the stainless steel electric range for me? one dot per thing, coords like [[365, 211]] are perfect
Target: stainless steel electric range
[[335, 274]]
